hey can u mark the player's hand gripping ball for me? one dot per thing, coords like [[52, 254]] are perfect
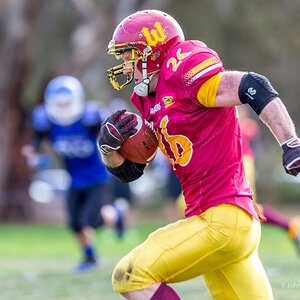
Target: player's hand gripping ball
[[141, 147], [114, 130]]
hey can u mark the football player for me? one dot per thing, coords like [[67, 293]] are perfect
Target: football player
[[182, 88], [71, 125]]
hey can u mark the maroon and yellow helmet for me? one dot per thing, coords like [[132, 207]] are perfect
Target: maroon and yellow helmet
[[149, 35]]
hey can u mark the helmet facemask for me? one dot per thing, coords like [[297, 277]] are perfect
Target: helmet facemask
[[116, 74]]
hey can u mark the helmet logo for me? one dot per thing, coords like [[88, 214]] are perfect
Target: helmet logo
[[154, 36]]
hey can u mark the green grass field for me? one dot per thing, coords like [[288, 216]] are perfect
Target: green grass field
[[37, 260]]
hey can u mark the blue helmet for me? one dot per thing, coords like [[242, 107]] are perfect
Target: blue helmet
[[64, 100]]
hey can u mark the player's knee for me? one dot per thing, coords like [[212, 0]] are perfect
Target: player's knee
[[120, 279], [130, 274]]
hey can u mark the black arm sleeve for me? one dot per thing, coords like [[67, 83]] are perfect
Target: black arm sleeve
[[128, 171], [257, 91]]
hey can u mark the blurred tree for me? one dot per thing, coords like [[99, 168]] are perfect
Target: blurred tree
[[41, 39], [18, 20]]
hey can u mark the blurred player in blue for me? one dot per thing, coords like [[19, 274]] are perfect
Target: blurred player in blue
[[70, 125]]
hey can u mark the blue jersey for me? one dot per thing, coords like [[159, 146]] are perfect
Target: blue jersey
[[75, 144]]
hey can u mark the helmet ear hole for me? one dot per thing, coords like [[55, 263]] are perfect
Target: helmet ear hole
[[155, 55]]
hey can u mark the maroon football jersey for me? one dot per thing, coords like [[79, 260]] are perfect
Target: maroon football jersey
[[203, 144]]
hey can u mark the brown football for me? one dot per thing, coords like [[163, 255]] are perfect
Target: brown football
[[142, 146]]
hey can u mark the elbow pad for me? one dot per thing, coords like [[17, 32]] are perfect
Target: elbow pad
[[257, 91], [128, 171]]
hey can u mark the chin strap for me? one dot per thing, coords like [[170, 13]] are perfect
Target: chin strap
[[142, 88]]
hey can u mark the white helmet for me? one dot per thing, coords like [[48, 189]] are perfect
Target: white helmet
[[64, 100]]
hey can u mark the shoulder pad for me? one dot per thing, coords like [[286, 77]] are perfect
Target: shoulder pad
[[39, 119], [190, 59]]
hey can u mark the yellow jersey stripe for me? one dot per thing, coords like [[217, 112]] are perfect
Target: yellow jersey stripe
[[204, 64]]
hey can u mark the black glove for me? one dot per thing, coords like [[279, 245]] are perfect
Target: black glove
[[291, 156], [115, 130]]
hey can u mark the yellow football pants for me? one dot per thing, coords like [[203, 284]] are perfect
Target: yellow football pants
[[220, 244]]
